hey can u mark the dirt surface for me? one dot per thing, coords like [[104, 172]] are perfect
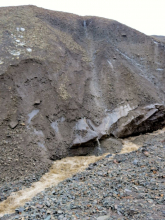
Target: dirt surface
[[68, 81]]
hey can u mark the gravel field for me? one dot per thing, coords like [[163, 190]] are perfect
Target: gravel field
[[126, 186]]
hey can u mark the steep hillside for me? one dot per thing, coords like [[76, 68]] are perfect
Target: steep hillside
[[68, 81]]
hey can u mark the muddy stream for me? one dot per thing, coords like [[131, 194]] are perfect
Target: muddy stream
[[60, 170]]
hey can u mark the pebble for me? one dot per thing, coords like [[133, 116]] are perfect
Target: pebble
[[135, 162], [105, 217], [48, 218]]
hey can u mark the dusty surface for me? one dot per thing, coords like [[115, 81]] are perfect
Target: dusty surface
[[68, 81]]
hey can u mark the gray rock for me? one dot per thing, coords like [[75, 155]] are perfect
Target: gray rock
[[13, 124], [59, 211], [48, 218], [111, 145], [47, 204], [83, 133], [105, 217], [37, 102], [135, 162], [60, 217]]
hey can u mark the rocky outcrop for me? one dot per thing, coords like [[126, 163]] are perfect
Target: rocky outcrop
[[69, 80], [122, 122]]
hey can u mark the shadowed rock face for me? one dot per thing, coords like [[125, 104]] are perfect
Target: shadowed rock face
[[67, 80]]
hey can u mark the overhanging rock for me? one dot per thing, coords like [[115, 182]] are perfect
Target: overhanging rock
[[122, 122], [83, 133]]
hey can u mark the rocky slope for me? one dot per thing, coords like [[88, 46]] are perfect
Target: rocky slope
[[68, 81]]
